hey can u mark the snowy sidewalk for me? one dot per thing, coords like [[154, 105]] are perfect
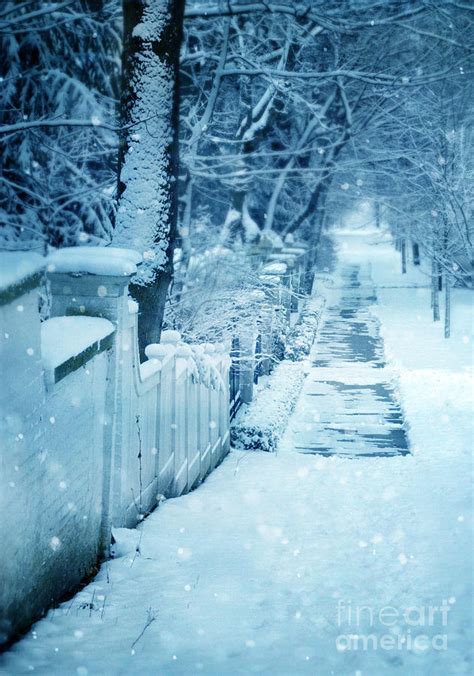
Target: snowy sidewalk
[[263, 568], [348, 406]]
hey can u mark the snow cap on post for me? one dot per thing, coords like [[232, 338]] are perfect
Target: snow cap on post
[[170, 337], [183, 351], [107, 261], [157, 351], [276, 268], [209, 348], [91, 281]]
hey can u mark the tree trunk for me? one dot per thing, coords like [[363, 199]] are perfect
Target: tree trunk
[[377, 214], [416, 253], [447, 306], [311, 126], [403, 250], [148, 155], [193, 147], [311, 206], [434, 292], [238, 223]]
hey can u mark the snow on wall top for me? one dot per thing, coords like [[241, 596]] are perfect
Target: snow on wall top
[[95, 260], [16, 266], [66, 337]]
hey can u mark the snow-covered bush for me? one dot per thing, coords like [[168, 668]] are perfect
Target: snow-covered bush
[[260, 425], [301, 338], [204, 370], [220, 294]]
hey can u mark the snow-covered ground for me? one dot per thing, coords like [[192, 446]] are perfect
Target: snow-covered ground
[[276, 559]]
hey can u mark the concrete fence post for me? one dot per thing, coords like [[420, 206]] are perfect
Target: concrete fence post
[[224, 411], [247, 365], [89, 281]]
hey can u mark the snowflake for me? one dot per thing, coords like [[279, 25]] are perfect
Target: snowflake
[[55, 543]]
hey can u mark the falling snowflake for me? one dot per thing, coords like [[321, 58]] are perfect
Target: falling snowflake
[[55, 543]]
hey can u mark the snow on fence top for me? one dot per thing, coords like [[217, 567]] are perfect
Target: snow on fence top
[[18, 266], [275, 269], [284, 256], [108, 260], [295, 250], [199, 359], [69, 342]]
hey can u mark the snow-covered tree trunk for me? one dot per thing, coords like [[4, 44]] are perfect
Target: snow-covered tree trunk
[[148, 158]]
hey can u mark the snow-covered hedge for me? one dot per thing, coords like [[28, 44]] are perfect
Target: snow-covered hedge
[[301, 338], [260, 424]]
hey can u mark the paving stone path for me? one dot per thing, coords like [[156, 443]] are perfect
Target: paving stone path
[[348, 405]]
